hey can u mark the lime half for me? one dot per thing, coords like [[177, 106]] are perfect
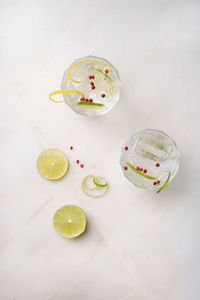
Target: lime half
[[69, 221], [52, 164]]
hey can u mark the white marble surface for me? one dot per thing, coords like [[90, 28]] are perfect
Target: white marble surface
[[138, 245]]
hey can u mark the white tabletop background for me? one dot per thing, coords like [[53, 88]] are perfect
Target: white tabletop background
[[138, 245]]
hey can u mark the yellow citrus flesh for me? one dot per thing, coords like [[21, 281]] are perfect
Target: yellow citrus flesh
[[69, 221], [52, 164]]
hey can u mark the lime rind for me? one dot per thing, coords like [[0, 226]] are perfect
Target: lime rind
[[98, 178], [88, 191], [139, 173], [165, 183], [90, 104]]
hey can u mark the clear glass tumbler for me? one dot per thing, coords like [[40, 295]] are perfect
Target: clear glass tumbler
[[90, 86], [150, 159]]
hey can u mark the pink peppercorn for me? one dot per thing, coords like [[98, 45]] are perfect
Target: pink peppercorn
[[125, 168]]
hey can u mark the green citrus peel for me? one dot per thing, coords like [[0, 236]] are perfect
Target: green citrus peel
[[90, 104], [165, 183], [94, 187], [138, 172]]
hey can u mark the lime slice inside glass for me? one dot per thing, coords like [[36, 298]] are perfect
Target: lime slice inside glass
[[52, 164], [88, 104], [69, 221], [102, 81]]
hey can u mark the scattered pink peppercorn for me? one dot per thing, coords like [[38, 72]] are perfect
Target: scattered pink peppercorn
[[145, 171], [141, 169], [90, 76], [86, 100], [138, 168], [103, 95], [82, 166], [125, 168], [77, 161], [125, 148], [93, 87], [158, 182], [92, 83], [82, 99], [157, 165], [90, 100], [71, 148], [154, 183], [106, 70]]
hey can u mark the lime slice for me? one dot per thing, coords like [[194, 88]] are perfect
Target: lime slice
[[164, 185], [69, 221], [140, 173], [52, 164], [100, 181], [102, 81], [92, 188], [90, 104]]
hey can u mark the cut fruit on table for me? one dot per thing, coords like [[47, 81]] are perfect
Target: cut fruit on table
[[52, 164], [69, 221]]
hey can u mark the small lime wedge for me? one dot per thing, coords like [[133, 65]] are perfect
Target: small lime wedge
[[52, 164], [69, 221], [90, 104]]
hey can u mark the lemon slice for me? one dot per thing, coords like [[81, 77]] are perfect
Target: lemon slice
[[102, 81], [69, 221], [52, 164]]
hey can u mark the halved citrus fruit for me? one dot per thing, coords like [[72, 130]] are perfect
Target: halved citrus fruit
[[69, 221], [52, 164]]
